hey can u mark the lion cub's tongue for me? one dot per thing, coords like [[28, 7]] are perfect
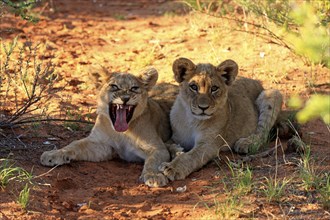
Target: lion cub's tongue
[[121, 123]]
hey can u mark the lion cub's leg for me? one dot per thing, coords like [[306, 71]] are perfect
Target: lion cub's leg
[[84, 149], [96, 147], [269, 104], [150, 174]]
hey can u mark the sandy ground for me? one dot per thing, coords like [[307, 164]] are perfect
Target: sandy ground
[[127, 36]]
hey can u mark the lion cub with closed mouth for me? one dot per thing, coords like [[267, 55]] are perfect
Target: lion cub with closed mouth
[[215, 111], [129, 123]]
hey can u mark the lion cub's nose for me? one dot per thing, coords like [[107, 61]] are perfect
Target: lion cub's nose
[[125, 99], [203, 107]]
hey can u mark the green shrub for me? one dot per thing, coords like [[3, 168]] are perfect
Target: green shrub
[[303, 27], [20, 8], [26, 83], [300, 26], [316, 106]]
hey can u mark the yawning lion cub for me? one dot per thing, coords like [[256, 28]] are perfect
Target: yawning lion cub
[[129, 123]]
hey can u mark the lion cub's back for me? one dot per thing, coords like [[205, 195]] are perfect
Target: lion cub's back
[[247, 87], [161, 99], [244, 114], [164, 94]]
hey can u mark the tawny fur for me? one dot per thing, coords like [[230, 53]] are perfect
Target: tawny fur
[[147, 131], [214, 111]]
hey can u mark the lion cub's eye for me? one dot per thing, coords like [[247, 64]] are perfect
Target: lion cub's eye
[[114, 87], [214, 88], [193, 87], [135, 89]]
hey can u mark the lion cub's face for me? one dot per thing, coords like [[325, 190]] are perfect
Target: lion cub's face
[[204, 87], [125, 95]]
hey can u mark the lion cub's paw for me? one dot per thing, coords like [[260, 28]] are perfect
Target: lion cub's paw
[[154, 179], [249, 144], [54, 157], [175, 150], [169, 170]]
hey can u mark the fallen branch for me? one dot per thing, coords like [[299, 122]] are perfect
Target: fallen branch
[[44, 174], [12, 125]]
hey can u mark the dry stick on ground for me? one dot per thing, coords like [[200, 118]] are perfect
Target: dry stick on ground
[[43, 174], [52, 119], [11, 126]]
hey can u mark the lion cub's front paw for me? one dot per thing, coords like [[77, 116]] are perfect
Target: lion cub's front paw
[[175, 150], [54, 157], [249, 144], [154, 179], [171, 172]]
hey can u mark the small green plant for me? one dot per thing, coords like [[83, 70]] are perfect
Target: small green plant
[[307, 172], [229, 209], [24, 196], [241, 179], [274, 188], [235, 185], [89, 204], [120, 17], [311, 179], [8, 173], [324, 191]]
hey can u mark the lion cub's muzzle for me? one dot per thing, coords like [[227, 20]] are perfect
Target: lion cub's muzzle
[[201, 114], [120, 115], [201, 108]]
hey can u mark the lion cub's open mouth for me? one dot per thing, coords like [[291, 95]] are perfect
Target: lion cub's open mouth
[[120, 116]]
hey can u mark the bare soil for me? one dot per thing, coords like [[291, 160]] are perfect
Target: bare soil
[[127, 36]]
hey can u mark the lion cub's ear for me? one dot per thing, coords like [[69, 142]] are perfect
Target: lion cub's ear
[[228, 70], [181, 68], [149, 77], [98, 75]]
